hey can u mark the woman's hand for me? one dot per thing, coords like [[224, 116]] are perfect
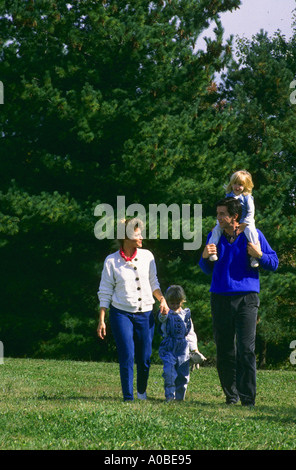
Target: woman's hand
[[101, 330], [163, 308]]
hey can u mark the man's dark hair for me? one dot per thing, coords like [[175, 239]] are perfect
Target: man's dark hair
[[233, 206]]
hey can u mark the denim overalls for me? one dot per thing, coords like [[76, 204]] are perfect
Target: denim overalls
[[174, 352]]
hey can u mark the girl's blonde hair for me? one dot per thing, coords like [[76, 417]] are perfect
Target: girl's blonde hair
[[242, 177]]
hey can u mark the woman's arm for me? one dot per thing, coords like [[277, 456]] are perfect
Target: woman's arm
[[101, 330], [105, 295]]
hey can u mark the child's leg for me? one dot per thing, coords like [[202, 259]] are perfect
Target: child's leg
[[182, 380], [216, 234], [169, 375], [214, 238], [252, 235]]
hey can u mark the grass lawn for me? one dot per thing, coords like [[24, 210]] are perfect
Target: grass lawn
[[47, 404]]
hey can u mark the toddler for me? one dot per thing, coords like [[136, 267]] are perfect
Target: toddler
[[179, 339], [240, 187]]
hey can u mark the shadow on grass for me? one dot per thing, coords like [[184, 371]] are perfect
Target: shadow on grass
[[270, 414], [118, 399], [64, 398], [280, 414]]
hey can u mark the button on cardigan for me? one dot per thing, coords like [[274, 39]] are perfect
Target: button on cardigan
[[129, 285]]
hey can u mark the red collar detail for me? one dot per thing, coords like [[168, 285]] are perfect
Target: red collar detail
[[127, 258]]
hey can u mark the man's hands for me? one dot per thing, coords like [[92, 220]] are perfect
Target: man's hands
[[255, 250], [209, 250], [241, 228]]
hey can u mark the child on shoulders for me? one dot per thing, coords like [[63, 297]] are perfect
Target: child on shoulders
[[240, 187]]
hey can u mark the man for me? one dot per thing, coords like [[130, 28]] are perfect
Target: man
[[234, 301]]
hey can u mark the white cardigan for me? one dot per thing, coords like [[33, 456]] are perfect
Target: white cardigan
[[128, 285]]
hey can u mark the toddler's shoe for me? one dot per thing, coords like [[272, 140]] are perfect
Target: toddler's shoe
[[142, 396], [213, 258], [254, 263]]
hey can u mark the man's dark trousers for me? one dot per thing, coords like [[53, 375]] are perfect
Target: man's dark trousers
[[234, 326]]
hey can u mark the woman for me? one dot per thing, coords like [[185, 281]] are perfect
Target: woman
[[128, 283]]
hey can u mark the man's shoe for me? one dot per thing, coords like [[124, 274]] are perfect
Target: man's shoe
[[248, 405]]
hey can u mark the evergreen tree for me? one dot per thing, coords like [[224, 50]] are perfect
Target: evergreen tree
[[258, 93], [102, 98], [107, 98]]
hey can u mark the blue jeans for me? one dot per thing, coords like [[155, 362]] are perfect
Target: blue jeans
[[133, 334]]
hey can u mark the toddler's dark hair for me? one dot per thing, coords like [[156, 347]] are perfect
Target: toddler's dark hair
[[175, 292]]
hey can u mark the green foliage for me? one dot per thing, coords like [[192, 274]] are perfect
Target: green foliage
[[111, 98], [258, 90]]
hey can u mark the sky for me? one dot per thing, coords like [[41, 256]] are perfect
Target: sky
[[254, 15]]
